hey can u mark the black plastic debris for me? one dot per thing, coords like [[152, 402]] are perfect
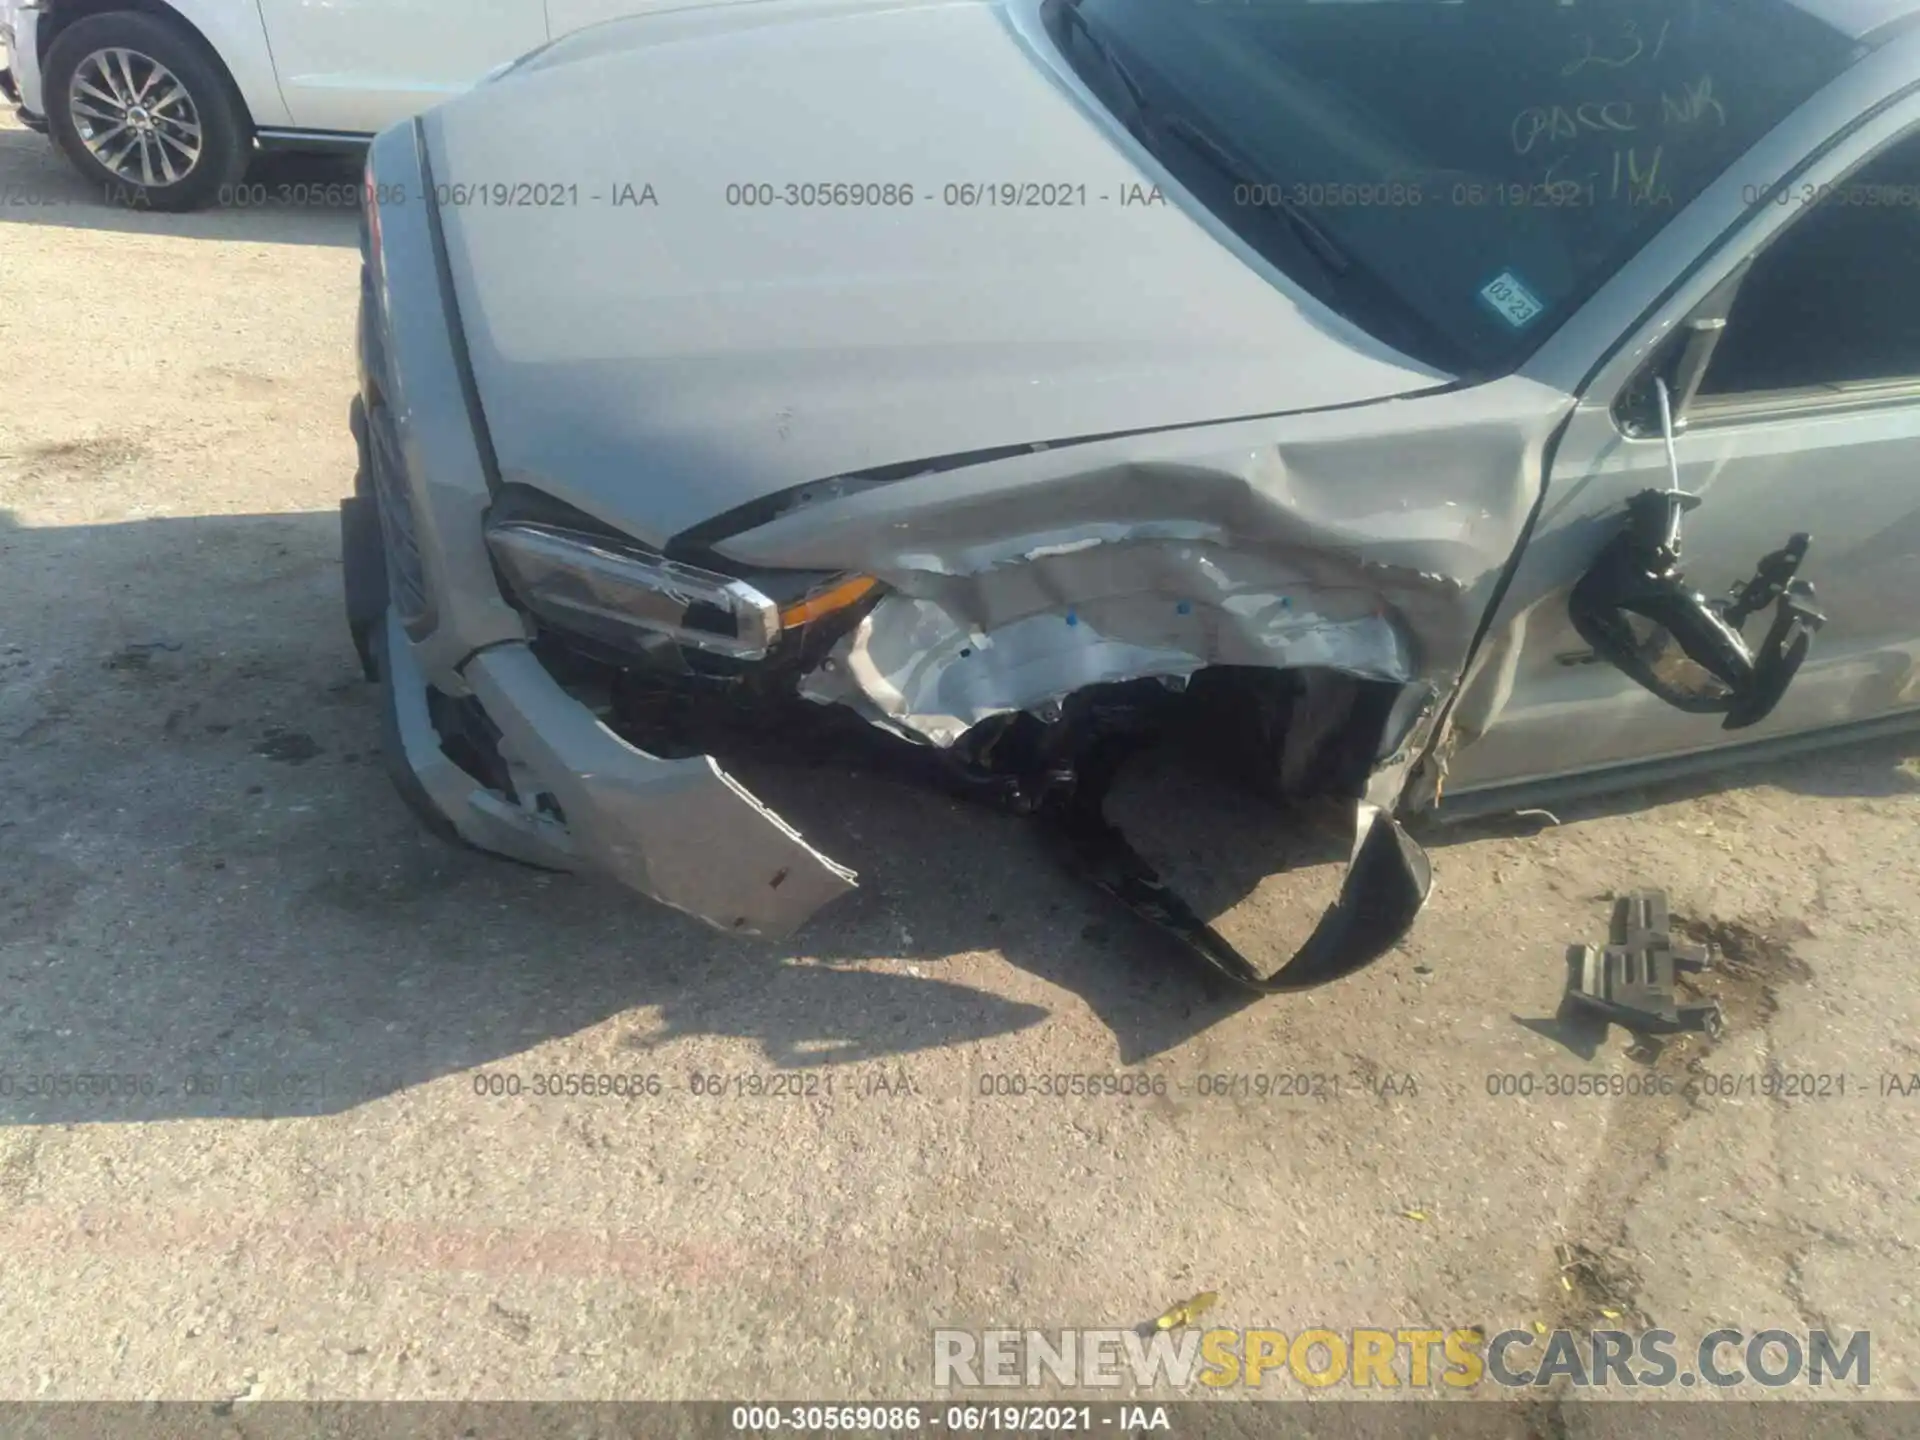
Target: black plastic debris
[[1387, 881], [1631, 980]]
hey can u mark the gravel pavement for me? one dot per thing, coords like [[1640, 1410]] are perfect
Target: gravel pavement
[[206, 879]]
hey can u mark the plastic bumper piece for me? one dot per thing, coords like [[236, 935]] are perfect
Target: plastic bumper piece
[[681, 831]]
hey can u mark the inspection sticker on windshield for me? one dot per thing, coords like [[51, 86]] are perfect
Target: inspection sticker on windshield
[[1511, 300]]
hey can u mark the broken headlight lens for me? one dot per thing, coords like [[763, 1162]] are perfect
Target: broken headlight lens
[[594, 586]]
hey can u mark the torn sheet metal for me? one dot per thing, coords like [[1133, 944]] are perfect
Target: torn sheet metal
[[979, 557], [1014, 629], [1420, 502], [914, 669], [1364, 541]]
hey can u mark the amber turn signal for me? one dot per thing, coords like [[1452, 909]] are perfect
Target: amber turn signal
[[837, 597]]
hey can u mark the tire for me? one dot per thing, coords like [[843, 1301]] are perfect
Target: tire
[[87, 49]]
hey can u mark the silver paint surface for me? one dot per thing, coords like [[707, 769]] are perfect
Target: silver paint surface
[[657, 365], [683, 831], [1206, 467], [918, 669], [1288, 543], [646, 822]]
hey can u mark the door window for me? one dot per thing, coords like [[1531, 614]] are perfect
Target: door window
[[1835, 300]]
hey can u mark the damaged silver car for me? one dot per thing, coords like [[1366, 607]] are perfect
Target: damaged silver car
[[1384, 388]]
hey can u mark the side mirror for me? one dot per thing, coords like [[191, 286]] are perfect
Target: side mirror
[[1636, 610]]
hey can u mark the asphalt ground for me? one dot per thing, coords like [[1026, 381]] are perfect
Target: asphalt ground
[[315, 1192]]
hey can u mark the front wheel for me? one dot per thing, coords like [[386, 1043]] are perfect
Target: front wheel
[[143, 109]]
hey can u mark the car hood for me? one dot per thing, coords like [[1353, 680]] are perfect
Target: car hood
[[654, 349]]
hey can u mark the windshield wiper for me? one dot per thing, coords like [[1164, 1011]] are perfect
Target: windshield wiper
[[1333, 258], [1070, 15], [1324, 247], [1151, 126], [1145, 118]]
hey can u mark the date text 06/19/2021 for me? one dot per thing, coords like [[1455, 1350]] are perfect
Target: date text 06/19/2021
[[896, 1419]]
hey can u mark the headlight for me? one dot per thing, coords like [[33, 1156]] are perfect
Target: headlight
[[593, 586]]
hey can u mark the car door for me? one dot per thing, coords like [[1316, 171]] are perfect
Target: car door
[[1806, 419], [357, 66]]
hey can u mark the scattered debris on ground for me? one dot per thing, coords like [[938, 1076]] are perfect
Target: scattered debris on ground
[[1632, 981]]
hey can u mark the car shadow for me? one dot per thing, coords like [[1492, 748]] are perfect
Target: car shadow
[[211, 886], [287, 198], [213, 903]]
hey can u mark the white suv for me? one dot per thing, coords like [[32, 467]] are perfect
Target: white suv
[[165, 101]]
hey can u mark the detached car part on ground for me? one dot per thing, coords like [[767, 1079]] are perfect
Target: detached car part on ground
[[666, 454]]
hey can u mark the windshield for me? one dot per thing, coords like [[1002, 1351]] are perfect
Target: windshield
[[1455, 176]]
